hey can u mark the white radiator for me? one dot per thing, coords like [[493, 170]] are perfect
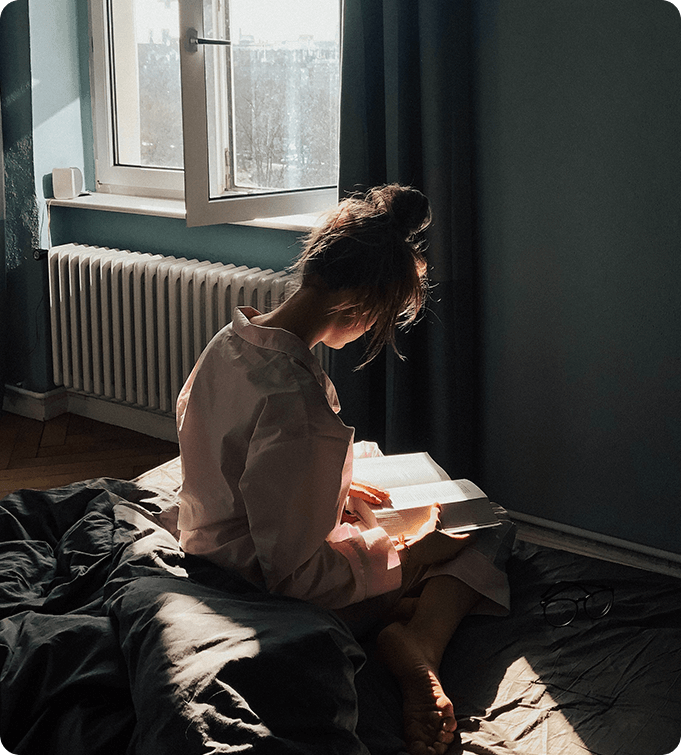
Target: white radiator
[[129, 327]]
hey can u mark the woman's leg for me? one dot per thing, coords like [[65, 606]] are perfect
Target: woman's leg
[[413, 651]]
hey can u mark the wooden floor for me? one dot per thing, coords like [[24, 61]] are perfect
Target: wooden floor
[[70, 448]]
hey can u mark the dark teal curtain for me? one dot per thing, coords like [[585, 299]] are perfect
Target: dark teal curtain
[[406, 116]]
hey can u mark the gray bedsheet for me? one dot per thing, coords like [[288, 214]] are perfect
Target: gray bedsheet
[[114, 641], [610, 686]]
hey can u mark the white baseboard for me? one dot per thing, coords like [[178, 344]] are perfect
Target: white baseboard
[[44, 406], [582, 542], [40, 406]]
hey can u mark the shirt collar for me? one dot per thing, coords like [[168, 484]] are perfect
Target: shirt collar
[[282, 340]]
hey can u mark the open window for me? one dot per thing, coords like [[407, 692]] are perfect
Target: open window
[[232, 104]]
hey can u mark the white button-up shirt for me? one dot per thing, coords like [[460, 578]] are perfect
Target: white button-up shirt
[[266, 467]]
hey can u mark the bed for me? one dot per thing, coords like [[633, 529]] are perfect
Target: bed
[[114, 641]]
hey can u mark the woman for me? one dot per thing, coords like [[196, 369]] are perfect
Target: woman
[[267, 462]]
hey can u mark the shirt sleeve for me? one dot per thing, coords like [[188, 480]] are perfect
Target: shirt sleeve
[[291, 493]]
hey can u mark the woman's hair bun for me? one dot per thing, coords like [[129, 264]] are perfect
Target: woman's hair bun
[[408, 208]]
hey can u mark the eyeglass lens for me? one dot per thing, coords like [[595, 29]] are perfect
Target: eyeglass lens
[[562, 611], [598, 604]]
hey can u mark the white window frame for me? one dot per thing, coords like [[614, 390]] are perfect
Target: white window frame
[[192, 183], [110, 177]]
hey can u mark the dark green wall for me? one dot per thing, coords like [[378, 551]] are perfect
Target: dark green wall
[[25, 321], [579, 181], [3, 288]]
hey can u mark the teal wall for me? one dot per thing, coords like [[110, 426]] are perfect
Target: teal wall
[[60, 91], [26, 316], [44, 84], [3, 288], [579, 177], [242, 245]]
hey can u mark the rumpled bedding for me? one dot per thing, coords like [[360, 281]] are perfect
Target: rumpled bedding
[[112, 640]]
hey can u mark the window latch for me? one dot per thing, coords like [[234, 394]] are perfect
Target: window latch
[[193, 41]]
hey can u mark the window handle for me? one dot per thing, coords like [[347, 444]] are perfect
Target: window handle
[[193, 41]]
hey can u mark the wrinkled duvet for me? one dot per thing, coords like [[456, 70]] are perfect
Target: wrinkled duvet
[[114, 641]]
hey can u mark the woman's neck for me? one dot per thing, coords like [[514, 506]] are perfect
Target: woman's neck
[[308, 314]]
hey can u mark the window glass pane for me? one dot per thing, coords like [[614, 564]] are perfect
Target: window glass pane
[[147, 107], [273, 96]]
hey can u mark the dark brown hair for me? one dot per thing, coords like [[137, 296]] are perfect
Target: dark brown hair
[[372, 246]]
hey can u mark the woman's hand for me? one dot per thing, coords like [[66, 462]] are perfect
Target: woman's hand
[[372, 495]]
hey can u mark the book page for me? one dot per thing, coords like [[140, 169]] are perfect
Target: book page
[[459, 516], [446, 491], [398, 470]]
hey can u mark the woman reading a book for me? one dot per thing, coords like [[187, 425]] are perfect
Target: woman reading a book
[[267, 462]]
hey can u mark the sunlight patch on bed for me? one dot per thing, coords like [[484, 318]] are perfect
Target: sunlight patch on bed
[[523, 717], [188, 622]]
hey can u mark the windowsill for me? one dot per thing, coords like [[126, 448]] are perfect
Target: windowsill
[[164, 208], [172, 208]]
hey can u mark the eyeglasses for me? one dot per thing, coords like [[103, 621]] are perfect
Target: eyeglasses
[[561, 608]]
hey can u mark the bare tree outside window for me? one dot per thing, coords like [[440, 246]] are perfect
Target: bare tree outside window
[[286, 113], [160, 125]]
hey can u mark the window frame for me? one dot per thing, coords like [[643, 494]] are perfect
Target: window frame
[[192, 184], [109, 177]]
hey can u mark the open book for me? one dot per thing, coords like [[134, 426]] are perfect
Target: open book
[[415, 482]]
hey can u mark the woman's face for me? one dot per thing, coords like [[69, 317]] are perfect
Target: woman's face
[[346, 329]]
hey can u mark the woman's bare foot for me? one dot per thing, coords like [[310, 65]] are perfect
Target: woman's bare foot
[[429, 720]]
